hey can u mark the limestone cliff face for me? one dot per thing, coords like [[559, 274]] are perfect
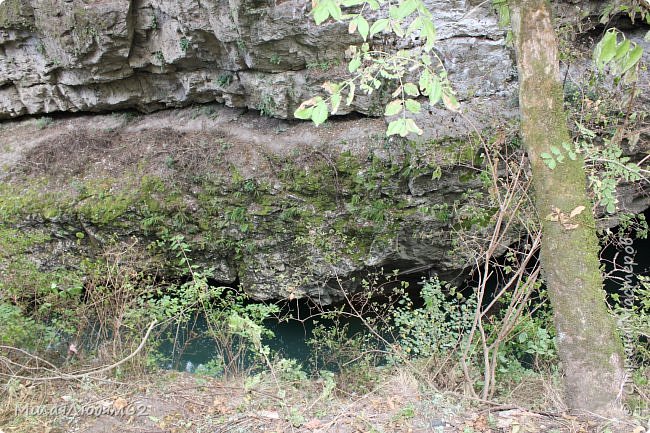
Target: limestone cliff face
[[277, 205], [280, 206], [78, 55]]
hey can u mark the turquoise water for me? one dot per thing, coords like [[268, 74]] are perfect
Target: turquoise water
[[195, 349]]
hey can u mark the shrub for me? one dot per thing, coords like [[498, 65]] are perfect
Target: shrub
[[439, 325]]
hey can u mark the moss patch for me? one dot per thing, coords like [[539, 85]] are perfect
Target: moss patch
[[16, 15]]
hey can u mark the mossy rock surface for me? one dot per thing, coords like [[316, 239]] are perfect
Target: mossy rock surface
[[16, 14], [260, 207]]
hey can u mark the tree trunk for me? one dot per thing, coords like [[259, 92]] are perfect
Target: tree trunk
[[590, 348]]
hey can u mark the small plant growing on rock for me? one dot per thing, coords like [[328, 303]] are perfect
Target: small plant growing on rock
[[160, 58], [224, 80], [184, 44], [43, 122], [267, 106]]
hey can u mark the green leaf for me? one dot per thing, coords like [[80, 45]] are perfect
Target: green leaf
[[396, 127], [363, 27], [336, 101], [350, 97], [374, 4], [378, 26], [556, 150], [504, 15], [412, 105], [435, 91], [606, 49], [403, 129], [397, 29], [607, 13], [548, 160], [354, 63], [450, 101], [425, 82], [405, 9], [429, 33], [622, 49], [393, 108], [319, 115], [388, 75], [334, 10], [585, 131], [321, 13], [303, 113], [411, 89], [415, 25], [412, 127], [632, 59]]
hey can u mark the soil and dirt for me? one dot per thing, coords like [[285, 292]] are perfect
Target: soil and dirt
[[174, 402]]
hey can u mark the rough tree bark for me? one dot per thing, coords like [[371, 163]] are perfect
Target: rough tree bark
[[590, 348]]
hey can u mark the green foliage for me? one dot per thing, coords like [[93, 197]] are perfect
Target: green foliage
[[267, 106], [184, 44], [370, 68], [212, 368], [224, 79], [160, 58], [235, 325], [336, 346], [109, 302], [43, 122], [633, 8], [607, 167], [289, 370], [439, 325], [441, 211], [621, 56], [532, 345], [19, 330], [606, 127], [296, 418], [503, 10], [407, 412], [556, 155], [377, 210]]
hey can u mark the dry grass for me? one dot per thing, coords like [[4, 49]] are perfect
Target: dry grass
[[180, 402]]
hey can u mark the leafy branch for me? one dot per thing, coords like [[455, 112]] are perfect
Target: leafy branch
[[622, 57], [372, 68]]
